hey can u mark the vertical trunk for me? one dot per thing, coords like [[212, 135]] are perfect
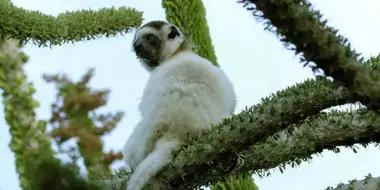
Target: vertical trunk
[[29, 142], [190, 16]]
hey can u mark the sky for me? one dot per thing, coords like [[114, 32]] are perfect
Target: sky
[[256, 62]]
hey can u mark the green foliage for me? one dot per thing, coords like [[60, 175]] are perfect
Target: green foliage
[[29, 141], [241, 182], [50, 174], [71, 26], [254, 136], [190, 16]]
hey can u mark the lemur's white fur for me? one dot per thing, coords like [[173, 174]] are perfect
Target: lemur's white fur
[[184, 94]]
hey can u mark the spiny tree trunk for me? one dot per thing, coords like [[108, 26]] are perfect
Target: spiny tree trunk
[[29, 142], [190, 16], [298, 24]]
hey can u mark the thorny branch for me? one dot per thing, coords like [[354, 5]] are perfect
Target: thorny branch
[[297, 23]]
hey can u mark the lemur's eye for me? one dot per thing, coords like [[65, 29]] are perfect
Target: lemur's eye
[[174, 32], [150, 38]]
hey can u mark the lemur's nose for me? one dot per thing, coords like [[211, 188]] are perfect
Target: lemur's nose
[[142, 51], [138, 48]]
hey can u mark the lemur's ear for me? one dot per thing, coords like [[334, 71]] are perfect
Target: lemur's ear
[[173, 33]]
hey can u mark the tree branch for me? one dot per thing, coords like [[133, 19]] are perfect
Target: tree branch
[[326, 131], [67, 27], [202, 161], [199, 162], [297, 23]]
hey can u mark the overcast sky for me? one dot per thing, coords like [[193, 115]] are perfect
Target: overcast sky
[[254, 59]]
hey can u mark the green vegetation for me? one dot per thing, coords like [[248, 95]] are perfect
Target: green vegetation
[[286, 128]]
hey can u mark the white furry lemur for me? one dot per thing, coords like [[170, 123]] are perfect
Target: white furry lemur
[[185, 94]]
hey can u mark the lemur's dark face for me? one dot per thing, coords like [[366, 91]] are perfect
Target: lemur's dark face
[[156, 41]]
